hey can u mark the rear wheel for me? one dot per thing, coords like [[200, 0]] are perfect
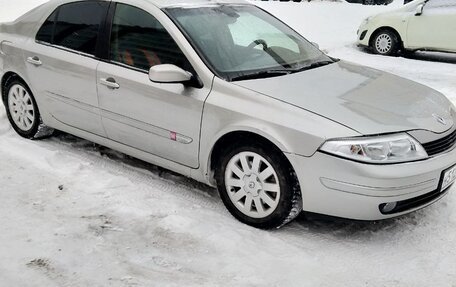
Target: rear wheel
[[23, 112], [385, 43], [258, 186]]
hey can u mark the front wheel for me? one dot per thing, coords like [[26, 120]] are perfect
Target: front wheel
[[385, 43], [258, 186]]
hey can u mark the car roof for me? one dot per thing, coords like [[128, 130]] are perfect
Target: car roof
[[165, 3], [193, 3], [172, 3], [27, 22]]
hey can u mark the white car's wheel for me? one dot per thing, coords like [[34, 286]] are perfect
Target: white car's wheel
[[258, 186], [385, 43], [23, 112]]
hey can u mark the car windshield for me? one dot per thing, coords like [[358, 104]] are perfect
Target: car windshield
[[241, 42]]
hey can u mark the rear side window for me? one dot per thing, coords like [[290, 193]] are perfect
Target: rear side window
[[78, 26], [75, 26], [140, 41], [46, 31]]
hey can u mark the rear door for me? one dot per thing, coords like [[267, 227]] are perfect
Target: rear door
[[435, 28], [61, 64], [161, 119]]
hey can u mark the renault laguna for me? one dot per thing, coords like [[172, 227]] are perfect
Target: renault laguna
[[225, 93]]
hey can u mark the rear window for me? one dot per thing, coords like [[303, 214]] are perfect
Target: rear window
[[75, 26]]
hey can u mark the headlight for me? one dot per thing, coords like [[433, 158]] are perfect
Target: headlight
[[377, 149]]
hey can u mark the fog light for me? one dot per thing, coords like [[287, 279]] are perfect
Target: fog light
[[386, 208]]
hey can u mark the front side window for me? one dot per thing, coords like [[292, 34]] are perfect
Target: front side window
[[75, 26], [140, 41], [243, 41]]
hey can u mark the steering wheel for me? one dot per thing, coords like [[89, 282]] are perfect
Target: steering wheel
[[258, 42]]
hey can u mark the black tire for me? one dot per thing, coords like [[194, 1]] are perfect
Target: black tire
[[385, 42], [369, 2], [290, 201], [37, 130]]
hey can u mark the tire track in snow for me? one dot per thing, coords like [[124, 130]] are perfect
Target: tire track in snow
[[57, 151]]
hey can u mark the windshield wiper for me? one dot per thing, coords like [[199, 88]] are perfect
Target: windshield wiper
[[275, 73], [312, 66], [262, 75]]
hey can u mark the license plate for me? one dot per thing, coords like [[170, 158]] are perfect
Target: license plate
[[449, 177]]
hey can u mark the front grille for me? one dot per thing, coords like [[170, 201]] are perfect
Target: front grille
[[440, 145]]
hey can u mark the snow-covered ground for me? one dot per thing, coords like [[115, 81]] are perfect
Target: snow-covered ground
[[76, 214]]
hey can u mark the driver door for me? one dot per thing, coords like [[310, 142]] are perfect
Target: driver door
[[161, 119]]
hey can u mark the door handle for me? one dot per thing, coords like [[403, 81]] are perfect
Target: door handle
[[34, 61], [110, 83]]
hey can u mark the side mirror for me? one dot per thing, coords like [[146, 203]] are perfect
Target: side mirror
[[316, 45], [169, 74], [419, 10]]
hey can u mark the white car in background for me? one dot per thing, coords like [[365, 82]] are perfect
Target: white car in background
[[420, 25]]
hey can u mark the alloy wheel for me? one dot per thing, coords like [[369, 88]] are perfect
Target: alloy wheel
[[252, 185], [21, 107]]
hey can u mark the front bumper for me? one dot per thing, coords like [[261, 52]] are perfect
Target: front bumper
[[365, 32], [348, 189], [363, 37]]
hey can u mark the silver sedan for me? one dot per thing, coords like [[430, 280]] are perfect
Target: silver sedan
[[225, 93]]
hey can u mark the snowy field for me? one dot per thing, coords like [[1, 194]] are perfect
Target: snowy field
[[75, 214]]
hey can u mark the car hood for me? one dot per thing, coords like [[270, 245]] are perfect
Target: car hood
[[363, 99]]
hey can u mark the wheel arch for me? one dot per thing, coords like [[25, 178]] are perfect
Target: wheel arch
[[240, 136], [386, 28], [6, 78]]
